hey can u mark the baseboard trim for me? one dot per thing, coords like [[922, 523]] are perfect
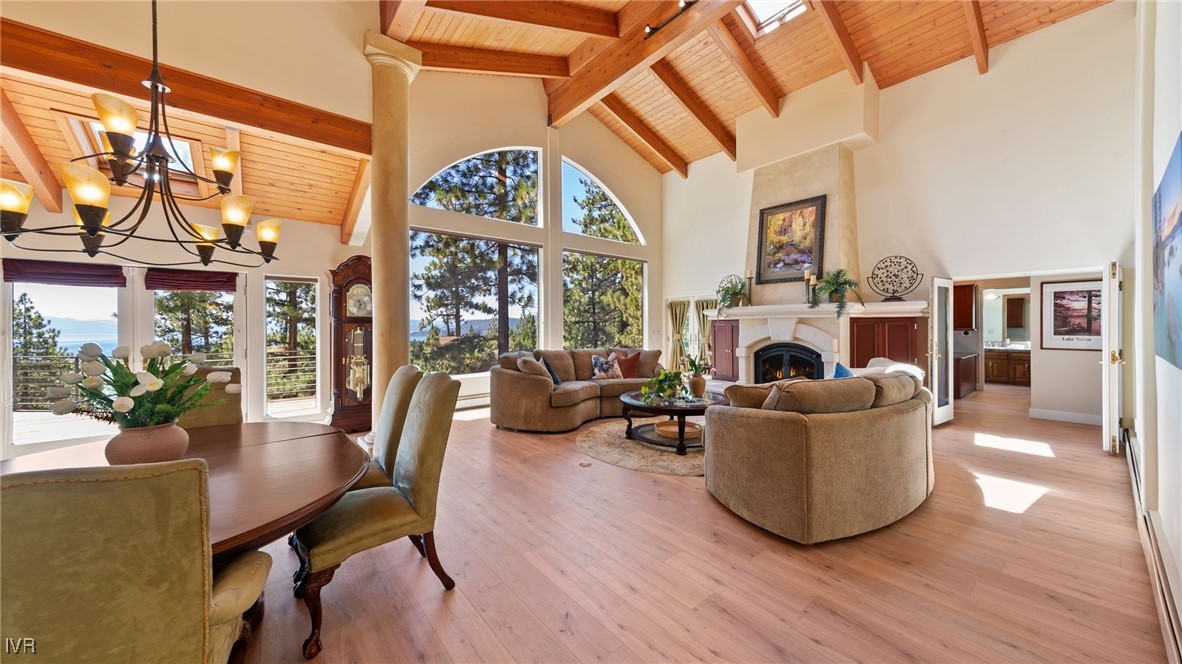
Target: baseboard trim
[[1066, 416], [1159, 576]]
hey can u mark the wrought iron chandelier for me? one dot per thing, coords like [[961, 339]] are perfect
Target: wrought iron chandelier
[[152, 170]]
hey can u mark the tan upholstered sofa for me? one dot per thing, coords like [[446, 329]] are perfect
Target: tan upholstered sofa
[[526, 401], [816, 460]]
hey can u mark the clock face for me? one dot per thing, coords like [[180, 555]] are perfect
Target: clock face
[[359, 301]]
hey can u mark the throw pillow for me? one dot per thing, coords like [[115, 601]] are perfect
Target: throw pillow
[[553, 376], [747, 396], [840, 371], [531, 366], [605, 368], [629, 365]]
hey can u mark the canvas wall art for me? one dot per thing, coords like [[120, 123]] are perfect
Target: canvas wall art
[[1167, 261], [1071, 315], [791, 241]]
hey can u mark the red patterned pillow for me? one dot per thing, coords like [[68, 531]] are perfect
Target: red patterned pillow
[[629, 365]]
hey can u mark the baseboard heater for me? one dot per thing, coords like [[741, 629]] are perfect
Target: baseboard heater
[[1163, 594]]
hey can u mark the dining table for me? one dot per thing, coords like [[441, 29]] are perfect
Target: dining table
[[266, 479]]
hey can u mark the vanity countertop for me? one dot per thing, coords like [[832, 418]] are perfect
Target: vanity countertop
[[1010, 349]]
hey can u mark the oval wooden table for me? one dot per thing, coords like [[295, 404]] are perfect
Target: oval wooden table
[[266, 479]]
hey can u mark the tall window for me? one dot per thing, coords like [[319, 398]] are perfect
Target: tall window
[[291, 346], [196, 322], [498, 185], [49, 324], [602, 301], [588, 209], [472, 299]]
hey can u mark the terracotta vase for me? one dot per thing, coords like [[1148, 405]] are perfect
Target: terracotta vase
[[697, 385], [163, 442]]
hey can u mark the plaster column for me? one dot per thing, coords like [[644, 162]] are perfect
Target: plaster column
[[394, 66]]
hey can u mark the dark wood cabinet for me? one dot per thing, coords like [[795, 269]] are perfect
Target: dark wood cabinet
[[900, 339], [964, 307], [1012, 367], [726, 344], [964, 374]]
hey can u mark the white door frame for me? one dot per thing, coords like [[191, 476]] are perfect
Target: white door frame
[[1112, 356], [940, 348]]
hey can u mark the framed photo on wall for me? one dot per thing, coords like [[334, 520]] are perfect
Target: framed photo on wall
[[1071, 315], [791, 240]]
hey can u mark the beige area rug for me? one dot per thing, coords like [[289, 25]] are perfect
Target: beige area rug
[[606, 442]]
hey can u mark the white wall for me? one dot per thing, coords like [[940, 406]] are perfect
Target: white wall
[[1024, 169], [308, 51], [1064, 384]]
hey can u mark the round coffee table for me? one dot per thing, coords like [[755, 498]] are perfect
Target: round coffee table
[[634, 405]]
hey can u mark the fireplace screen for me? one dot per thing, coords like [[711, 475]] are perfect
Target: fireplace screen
[[784, 361]]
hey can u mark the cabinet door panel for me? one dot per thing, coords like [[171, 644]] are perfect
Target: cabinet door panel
[[964, 307], [898, 336], [1019, 370], [864, 341]]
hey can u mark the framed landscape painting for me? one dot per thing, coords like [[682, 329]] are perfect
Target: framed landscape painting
[[1071, 315], [1167, 261], [791, 240]]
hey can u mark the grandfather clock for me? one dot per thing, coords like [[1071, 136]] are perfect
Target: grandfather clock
[[352, 344]]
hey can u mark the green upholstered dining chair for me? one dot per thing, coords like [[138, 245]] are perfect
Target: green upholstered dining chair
[[228, 411], [388, 431], [113, 564], [367, 518]]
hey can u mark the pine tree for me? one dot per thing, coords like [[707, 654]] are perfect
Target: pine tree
[[195, 321], [525, 334], [291, 339], [602, 297], [38, 360]]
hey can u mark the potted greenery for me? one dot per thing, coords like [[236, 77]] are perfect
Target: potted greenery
[[698, 366], [732, 291], [666, 386], [144, 403], [835, 286]]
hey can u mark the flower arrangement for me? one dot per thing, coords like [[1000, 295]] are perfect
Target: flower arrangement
[[110, 390], [697, 365]]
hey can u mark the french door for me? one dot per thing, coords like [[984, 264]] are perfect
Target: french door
[[940, 350], [1112, 356]]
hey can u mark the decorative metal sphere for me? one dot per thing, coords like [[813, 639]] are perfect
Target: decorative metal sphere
[[893, 277]]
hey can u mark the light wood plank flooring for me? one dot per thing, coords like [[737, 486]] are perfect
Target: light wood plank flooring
[[1026, 551]]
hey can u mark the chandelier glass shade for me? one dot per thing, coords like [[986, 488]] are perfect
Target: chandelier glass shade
[[151, 168]]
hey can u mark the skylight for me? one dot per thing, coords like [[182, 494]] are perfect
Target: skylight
[[183, 152], [769, 14]]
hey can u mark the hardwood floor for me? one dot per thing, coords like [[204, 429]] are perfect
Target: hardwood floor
[[1026, 551]]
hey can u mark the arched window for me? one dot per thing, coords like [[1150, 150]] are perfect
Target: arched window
[[501, 184], [589, 209]]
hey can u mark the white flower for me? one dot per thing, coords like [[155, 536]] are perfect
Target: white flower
[[219, 377], [93, 382], [234, 388], [136, 391], [72, 378], [94, 368], [64, 406], [144, 377], [93, 350], [162, 348], [153, 385], [57, 392], [122, 404], [148, 351], [189, 369], [121, 353], [195, 358]]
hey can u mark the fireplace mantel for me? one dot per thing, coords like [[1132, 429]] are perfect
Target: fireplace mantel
[[819, 329]]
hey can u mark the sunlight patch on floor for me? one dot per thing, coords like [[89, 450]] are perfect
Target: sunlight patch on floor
[[1013, 445], [1008, 495], [471, 414]]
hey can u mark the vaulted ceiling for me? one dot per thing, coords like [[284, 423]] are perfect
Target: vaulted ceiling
[[675, 96]]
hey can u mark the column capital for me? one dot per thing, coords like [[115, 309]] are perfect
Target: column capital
[[382, 51]]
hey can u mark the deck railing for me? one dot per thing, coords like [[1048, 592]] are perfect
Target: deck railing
[[32, 374], [291, 374]]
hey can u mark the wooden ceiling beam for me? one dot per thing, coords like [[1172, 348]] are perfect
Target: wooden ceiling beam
[[27, 158], [739, 59], [835, 26], [632, 54], [742, 16], [695, 106], [482, 61], [356, 198], [972, 13], [616, 107], [399, 17], [31, 49], [567, 18]]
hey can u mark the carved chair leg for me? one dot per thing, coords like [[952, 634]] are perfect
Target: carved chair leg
[[301, 572], [291, 541], [251, 620], [417, 540], [311, 593], [433, 559]]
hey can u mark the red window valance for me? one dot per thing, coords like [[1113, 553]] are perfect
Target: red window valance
[[190, 280], [61, 273]]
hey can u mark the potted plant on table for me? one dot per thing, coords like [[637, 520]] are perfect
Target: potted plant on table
[[665, 387], [835, 286], [698, 367], [144, 403]]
